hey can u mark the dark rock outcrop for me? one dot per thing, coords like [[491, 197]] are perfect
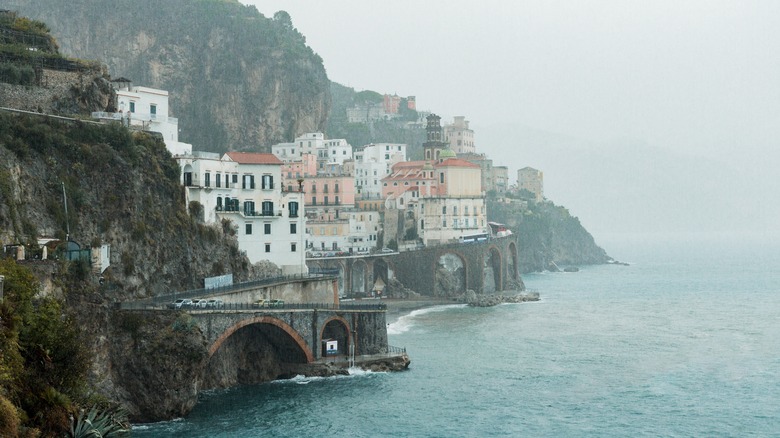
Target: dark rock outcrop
[[237, 79], [548, 236]]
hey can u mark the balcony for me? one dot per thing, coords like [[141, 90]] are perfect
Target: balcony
[[251, 213]]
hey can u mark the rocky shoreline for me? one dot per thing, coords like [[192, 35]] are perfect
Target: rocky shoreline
[[490, 300]]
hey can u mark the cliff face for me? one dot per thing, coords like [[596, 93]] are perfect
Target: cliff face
[[237, 80], [546, 234], [123, 190]]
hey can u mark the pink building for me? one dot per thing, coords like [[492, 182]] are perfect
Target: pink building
[[337, 191], [294, 170]]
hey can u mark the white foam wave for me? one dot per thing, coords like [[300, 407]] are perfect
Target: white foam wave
[[404, 323], [300, 379]]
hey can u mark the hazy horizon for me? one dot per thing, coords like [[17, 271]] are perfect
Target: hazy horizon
[[594, 93]]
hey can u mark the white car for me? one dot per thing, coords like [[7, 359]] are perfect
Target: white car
[[215, 304], [182, 303], [199, 304]]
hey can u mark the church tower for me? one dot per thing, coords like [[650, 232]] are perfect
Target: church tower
[[434, 144]]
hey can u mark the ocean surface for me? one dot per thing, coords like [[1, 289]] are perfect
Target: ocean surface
[[683, 342]]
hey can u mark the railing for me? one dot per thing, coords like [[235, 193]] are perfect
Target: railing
[[396, 350], [227, 307], [200, 293]]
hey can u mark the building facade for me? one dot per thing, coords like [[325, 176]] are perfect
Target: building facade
[[246, 189], [531, 180], [459, 136]]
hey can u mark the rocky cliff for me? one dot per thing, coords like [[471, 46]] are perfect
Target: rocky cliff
[[238, 80], [547, 234]]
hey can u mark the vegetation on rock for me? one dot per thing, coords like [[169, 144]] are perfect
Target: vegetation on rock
[[546, 233], [237, 80]]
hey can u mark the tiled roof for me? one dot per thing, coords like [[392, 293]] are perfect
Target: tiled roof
[[456, 162], [254, 158]]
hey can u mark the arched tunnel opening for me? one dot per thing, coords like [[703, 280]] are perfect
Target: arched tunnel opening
[[336, 330], [255, 353]]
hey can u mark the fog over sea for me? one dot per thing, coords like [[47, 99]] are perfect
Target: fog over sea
[[684, 342]]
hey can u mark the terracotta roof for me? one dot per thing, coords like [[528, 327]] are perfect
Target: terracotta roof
[[456, 162], [254, 158]]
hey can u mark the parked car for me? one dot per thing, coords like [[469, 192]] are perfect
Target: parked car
[[215, 304], [386, 250], [182, 304], [199, 304], [276, 303], [260, 303]]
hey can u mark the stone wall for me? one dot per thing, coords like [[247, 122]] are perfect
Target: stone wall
[[60, 93]]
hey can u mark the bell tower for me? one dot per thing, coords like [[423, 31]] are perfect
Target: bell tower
[[434, 144]]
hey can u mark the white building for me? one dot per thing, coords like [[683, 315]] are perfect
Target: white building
[[147, 108], [245, 188], [333, 151], [459, 136], [372, 164]]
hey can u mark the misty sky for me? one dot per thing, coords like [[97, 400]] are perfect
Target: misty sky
[[692, 80]]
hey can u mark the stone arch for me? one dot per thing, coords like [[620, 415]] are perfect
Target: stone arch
[[296, 337], [451, 274], [343, 273], [381, 271], [358, 276], [337, 328], [492, 263], [512, 264]]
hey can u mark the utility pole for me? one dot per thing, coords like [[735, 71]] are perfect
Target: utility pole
[[67, 221]]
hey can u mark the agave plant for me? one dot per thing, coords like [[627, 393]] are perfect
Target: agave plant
[[97, 423]]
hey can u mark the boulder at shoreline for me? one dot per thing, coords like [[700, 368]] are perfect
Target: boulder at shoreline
[[489, 300]]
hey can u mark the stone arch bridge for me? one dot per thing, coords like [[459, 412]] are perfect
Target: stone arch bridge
[[297, 332], [444, 270]]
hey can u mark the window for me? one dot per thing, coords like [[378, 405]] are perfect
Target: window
[[207, 180], [268, 208], [235, 178], [267, 247], [293, 247], [249, 208], [293, 208], [444, 210], [248, 229], [441, 178], [267, 228], [337, 200], [337, 188], [313, 200], [219, 203], [132, 107], [326, 200], [268, 182], [153, 110], [293, 228], [219, 180], [187, 179], [248, 182], [444, 223]]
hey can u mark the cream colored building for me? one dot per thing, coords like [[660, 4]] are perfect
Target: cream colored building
[[532, 180], [459, 136]]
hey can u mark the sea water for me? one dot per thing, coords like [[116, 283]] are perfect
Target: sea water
[[683, 342]]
